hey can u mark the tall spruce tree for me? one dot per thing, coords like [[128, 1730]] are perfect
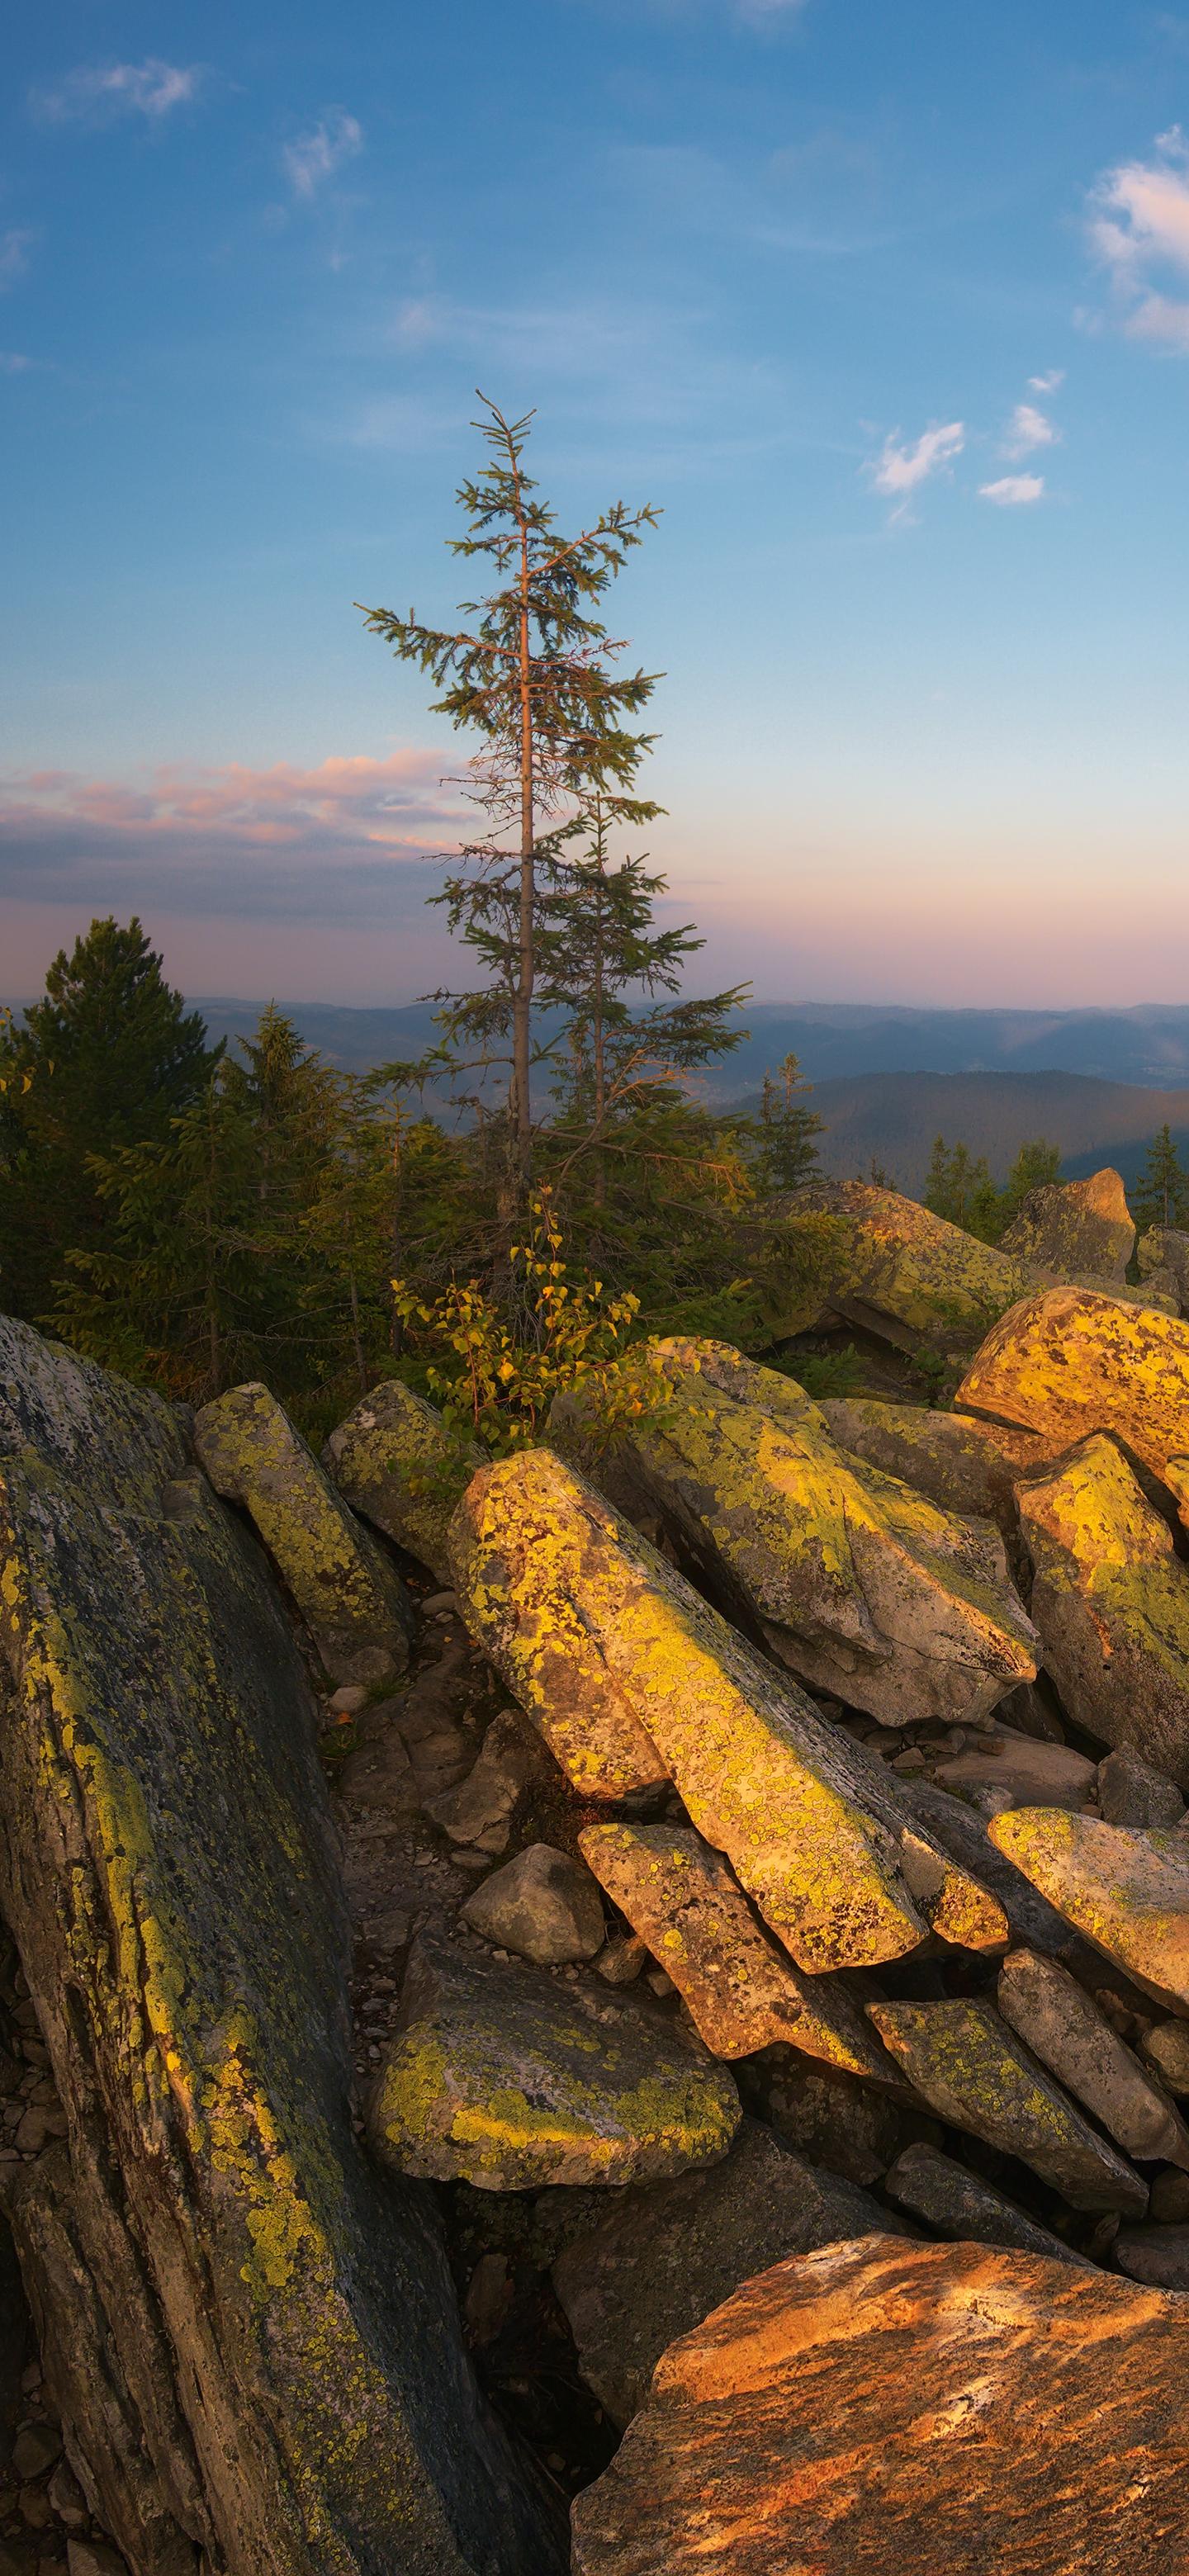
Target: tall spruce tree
[[106, 1059], [532, 672], [1162, 1197]]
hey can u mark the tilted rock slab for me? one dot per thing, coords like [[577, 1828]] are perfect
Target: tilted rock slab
[[959, 2204], [281, 2330], [861, 1586], [1065, 2029], [956, 1463], [962, 1832], [670, 2252], [684, 1901], [1077, 1229], [878, 2407], [394, 1461], [907, 1275], [631, 1677], [1111, 1601], [973, 2072], [1071, 1362], [351, 1599], [1126, 1889], [504, 2078]]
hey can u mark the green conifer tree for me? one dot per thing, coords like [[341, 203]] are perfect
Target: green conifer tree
[[1162, 1196], [788, 1153]]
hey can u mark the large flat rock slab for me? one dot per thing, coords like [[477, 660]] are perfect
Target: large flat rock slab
[[281, 2325], [350, 1595], [633, 1678], [667, 2254], [502, 2077], [1110, 1598], [906, 1274], [876, 2408], [1073, 1361], [954, 1462], [971, 2069]]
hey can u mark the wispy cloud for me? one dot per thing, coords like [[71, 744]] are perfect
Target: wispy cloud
[[313, 157], [333, 843], [1027, 430], [1049, 384], [97, 95], [899, 471], [1013, 491], [1139, 230], [13, 364], [15, 246]]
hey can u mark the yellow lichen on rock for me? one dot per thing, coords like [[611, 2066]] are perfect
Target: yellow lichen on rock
[[907, 1274], [1125, 1889], [1111, 1601], [973, 2071], [1077, 1230], [1071, 1362], [631, 1676], [348, 1593], [861, 1585], [394, 1460]]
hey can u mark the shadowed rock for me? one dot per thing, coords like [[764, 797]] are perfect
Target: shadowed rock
[[879, 2407], [543, 1905], [1111, 1600], [1159, 2255], [631, 1676], [959, 2204], [742, 1993], [962, 1831], [281, 2331], [1064, 2028], [972, 2071], [1126, 1890], [668, 2254], [908, 1275], [861, 1586], [502, 2078], [1077, 1229], [351, 1599], [1032, 1772], [1130, 1792], [1073, 1362], [394, 1460]]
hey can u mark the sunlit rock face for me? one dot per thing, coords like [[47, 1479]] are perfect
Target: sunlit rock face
[[1077, 1229], [883, 2407], [1071, 1362]]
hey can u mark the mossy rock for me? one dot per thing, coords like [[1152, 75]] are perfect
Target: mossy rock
[[350, 1596], [506, 2079], [282, 2326], [907, 1275], [1072, 1361], [971, 2069], [1125, 1889], [1080, 1230], [394, 1460], [1110, 1598]]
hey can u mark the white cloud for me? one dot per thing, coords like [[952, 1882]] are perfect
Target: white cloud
[[15, 246], [314, 157], [1139, 230], [94, 96], [1013, 491], [898, 470], [1049, 384], [13, 364], [1027, 429]]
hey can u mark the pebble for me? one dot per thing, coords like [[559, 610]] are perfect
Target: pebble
[[35, 2450]]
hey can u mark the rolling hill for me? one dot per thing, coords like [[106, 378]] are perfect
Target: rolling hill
[[895, 1117]]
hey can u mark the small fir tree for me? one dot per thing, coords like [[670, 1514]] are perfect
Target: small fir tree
[[788, 1153], [1162, 1197]]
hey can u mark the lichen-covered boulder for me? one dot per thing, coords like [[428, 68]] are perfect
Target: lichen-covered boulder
[[1110, 1598], [1072, 1362], [962, 1832], [1162, 1257], [956, 1463], [1127, 1891], [876, 2408], [1065, 2029], [281, 2330], [632, 1679], [908, 1275], [973, 2072], [863, 1587], [394, 1460], [669, 2252], [742, 1992], [1077, 1229], [349, 1595], [503, 2078]]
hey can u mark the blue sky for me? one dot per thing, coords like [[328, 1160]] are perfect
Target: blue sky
[[886, 306]]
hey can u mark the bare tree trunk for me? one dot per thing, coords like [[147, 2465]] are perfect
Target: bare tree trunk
[[522, 1019]]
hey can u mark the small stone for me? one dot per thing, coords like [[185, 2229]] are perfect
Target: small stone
[[1168, 2197], [440, 1605], [34, 2130], [348, 1700], [67, 2498], [543, 1905], [1032, 1772], [1166, 2046], [1130, 1792], [1157, 2255], [622, 1960], [94, 2558], [35, 2450], [661, 1984], [35, 2509]]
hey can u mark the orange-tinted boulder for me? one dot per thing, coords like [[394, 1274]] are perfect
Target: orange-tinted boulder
[[1072, 1362]]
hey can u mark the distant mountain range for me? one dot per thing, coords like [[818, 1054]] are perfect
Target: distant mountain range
[[894, 1118]]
